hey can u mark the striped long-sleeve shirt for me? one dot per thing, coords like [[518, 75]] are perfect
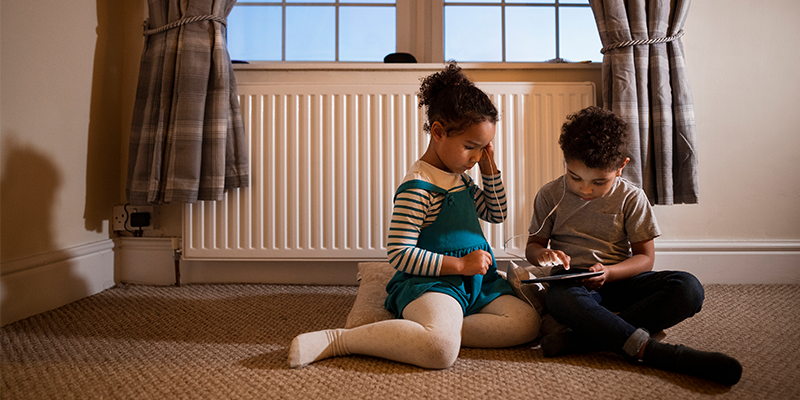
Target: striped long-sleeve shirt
[[415, 209]]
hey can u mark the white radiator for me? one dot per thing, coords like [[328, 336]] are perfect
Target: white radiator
[[325, 161]]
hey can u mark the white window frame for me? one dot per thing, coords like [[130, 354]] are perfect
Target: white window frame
[[420, 30], [417, 33]]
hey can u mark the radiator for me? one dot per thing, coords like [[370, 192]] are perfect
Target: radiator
[[325, 161]]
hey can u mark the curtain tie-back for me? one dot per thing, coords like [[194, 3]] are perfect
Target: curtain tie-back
[[638, 42], [180, 22]]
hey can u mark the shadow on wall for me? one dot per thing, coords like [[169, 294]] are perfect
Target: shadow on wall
[[28, 191], [29, 188], [102, 164]]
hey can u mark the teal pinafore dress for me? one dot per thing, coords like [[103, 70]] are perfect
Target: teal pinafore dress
[[455, 232]]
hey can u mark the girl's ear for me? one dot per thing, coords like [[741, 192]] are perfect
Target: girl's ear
[[437, 131]]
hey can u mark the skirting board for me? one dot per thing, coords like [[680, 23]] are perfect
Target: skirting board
[[712, 261], [48, 281], [733, 262], [145, 261]]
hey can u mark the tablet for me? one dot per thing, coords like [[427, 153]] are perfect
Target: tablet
[[565, 276]]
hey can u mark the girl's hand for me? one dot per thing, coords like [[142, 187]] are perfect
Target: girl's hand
[[595, 282], [549, 257], [476, 263], [486, 162]]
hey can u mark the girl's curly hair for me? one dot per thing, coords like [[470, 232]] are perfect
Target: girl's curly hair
[[596, 137], [453, 100]]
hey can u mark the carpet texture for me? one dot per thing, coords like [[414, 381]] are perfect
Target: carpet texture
[[231, 342]]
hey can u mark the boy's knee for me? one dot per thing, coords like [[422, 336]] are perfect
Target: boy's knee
[[688, 290], [562, 296]]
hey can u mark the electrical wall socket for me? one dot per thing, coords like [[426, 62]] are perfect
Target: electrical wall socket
[[120, 215]]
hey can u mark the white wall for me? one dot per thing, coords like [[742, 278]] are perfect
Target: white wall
[[61, 121], [742, 59], [60, 85]]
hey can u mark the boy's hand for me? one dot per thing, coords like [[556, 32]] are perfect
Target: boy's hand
[[476, 263], [595, 282], [549, 257]]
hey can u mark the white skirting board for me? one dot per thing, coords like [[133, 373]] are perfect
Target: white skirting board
[[143, 260], [712, 261], [51, 280], [733, 262]]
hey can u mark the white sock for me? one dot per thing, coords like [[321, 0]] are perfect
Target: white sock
[[315, 346]]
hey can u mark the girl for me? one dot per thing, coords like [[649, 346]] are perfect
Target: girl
[[446, 292]]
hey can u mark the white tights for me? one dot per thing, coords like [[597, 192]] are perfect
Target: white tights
[[430, 334]]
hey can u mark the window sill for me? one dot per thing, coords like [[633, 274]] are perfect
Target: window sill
[[374, 66]]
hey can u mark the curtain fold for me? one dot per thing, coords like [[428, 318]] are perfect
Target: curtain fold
[[645, 83], [187, 137]]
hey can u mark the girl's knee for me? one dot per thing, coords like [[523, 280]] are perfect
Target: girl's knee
[[523, 324], [441, 353]]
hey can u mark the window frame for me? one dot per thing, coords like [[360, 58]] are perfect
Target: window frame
[[420, 29]]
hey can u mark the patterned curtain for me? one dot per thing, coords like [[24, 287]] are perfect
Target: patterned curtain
[[645, 83], [187, 137]]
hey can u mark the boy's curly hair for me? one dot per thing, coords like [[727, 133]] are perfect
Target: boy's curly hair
[[453, 100], [596, 137]]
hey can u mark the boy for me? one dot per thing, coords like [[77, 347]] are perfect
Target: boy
[[601, 222]]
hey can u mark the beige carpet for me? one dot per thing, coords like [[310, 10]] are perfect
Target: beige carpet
[[231, 342]]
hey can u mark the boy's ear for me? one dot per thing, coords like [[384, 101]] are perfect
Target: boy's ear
[[624, 163]]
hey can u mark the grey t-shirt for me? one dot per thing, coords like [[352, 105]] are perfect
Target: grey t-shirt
[[594, 231]]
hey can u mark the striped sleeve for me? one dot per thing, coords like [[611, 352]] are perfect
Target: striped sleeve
[[491, 202], [413, 209]]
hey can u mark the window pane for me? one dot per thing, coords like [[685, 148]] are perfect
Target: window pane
[[366, 33], [254, 33], [574, 1], [579, 38], [530, 34], [473, 1], [311, 1], [311, 33], [472, 33], [535, 1]]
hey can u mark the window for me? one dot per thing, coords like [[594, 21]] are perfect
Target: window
[[520, 30], [312, 30], [432, 30]]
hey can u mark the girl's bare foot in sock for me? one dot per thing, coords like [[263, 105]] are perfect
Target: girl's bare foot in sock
[[314, 346]]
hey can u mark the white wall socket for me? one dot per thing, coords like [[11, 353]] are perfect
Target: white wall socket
[[120, 216]]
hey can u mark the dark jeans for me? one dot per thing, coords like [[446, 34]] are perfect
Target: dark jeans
[[605, 319]]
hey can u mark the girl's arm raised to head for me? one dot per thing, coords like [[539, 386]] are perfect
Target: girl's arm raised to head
[[491, 202]]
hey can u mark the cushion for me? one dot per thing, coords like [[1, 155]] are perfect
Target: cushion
[[532, 293], [368, 307]]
